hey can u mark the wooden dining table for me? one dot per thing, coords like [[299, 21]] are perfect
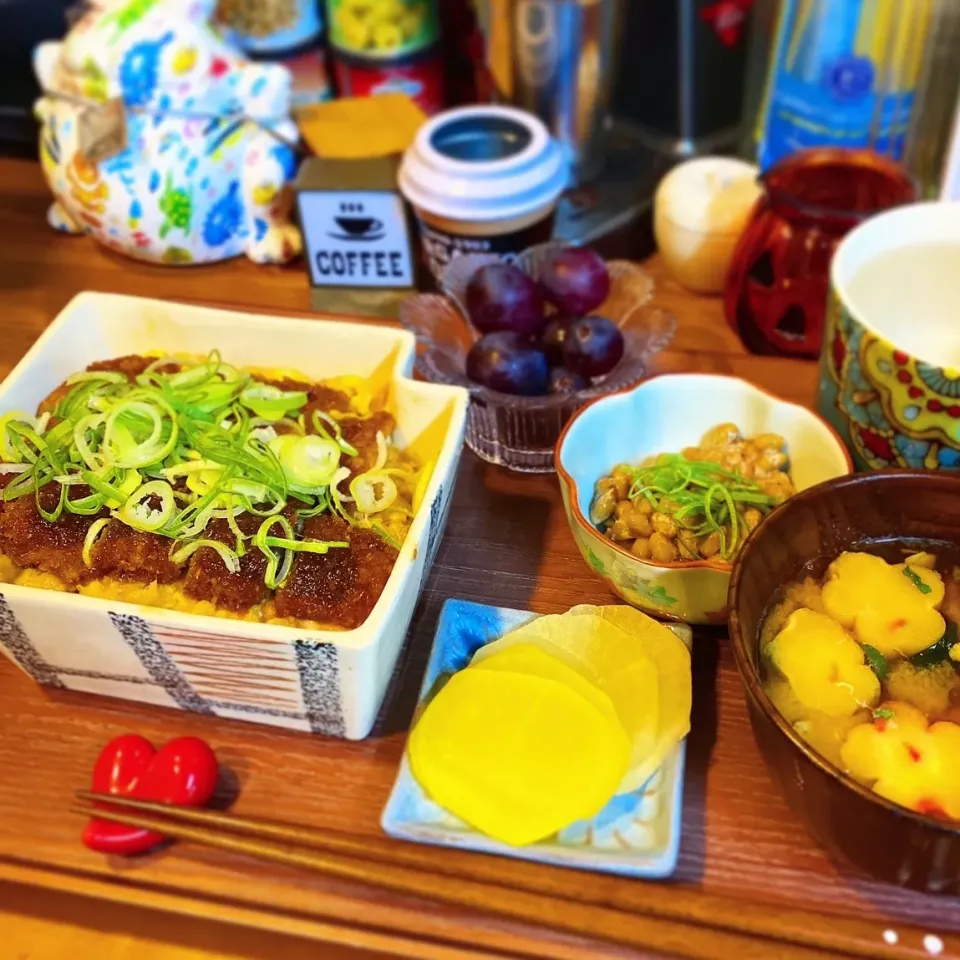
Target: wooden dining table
[[750, 882]]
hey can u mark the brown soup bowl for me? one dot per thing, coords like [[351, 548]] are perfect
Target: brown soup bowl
[[849, 513]]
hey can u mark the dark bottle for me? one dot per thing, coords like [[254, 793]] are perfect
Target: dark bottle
[[682, 68], [463, 52]]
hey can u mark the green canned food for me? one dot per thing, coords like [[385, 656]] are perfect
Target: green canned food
[[382, 28]]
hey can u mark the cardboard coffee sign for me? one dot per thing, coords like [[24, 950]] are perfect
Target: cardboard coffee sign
[[357, 239], [102, 130], [357, 235]]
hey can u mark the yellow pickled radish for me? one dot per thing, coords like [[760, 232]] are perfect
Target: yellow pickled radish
[[516, 756], [671, 657], [530, 659], [593, 647], [641, 665], [544, 633]]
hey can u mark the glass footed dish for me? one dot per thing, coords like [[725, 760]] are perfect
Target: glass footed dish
[[520, 433]]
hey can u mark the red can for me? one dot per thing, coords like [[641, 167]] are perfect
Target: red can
[[419, 76]]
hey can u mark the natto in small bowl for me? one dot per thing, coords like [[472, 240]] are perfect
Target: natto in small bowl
[[520, 433], [664, 415]]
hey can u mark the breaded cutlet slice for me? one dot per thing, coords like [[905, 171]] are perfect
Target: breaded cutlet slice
[[56, 548], [208, 578], [341, 586], [361, 432], [128, 554]]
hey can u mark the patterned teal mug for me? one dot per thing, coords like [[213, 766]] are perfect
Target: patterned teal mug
[[890, 362]]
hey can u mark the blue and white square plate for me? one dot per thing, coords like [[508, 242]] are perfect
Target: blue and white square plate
[[637, 834]]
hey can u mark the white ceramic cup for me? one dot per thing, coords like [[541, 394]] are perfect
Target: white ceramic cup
[[482, 179], [890, 362]]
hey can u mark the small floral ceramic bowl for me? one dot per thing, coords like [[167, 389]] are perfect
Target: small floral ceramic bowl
[[664, 415], [520, 433]]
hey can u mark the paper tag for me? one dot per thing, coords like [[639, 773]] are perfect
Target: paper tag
[[361, 126], [102, 130], [356, 239]]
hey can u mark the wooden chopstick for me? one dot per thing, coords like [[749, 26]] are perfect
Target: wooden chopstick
[[794, 930], [248, 826], [591, 921]]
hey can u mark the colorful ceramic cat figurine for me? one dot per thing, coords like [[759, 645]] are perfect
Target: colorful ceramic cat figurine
[[205, 174]]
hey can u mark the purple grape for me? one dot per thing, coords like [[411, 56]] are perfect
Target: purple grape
[[507, 362], [594, 346], [563, 380], [553, 338], [575, 280], [501, 296]]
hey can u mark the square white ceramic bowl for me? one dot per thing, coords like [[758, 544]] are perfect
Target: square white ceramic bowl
[[329, 682]]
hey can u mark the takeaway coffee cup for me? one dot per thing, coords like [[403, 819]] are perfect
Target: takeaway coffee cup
[[482, 179]]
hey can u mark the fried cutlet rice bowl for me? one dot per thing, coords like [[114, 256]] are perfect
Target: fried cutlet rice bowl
[[263, 563], [189, 484]]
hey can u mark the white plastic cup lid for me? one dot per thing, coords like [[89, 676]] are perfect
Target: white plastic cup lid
[[483, 163]]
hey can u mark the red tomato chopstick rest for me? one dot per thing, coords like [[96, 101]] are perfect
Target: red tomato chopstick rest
[[183, 771]]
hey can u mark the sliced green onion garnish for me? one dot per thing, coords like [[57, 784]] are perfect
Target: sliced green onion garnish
[[127, 484], [272, 403], [82, 431], [229, 557], [167, 360], [31, 446], [373, 491], [93, 534], [277, 571], [289, 425], [110, 493], [381, 452], [138, 513], [103, 376], [233, 507], [305, 546], [320, 418], [338, 478], [308, 462], [701, 496], [8, 452], [85, 506], [185, 469], [193, 376], [25, 483], [280, 444], [265, 434], [125, 434], [51, 516], [201, 482], [323, 504]]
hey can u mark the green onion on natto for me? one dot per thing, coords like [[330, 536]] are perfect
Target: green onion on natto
[[701, 496]]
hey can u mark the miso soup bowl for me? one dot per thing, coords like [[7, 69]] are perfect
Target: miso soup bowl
[[851, 822], [663, 415]]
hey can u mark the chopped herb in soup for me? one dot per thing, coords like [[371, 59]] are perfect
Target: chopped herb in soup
[[699, 504], [863, 662]]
